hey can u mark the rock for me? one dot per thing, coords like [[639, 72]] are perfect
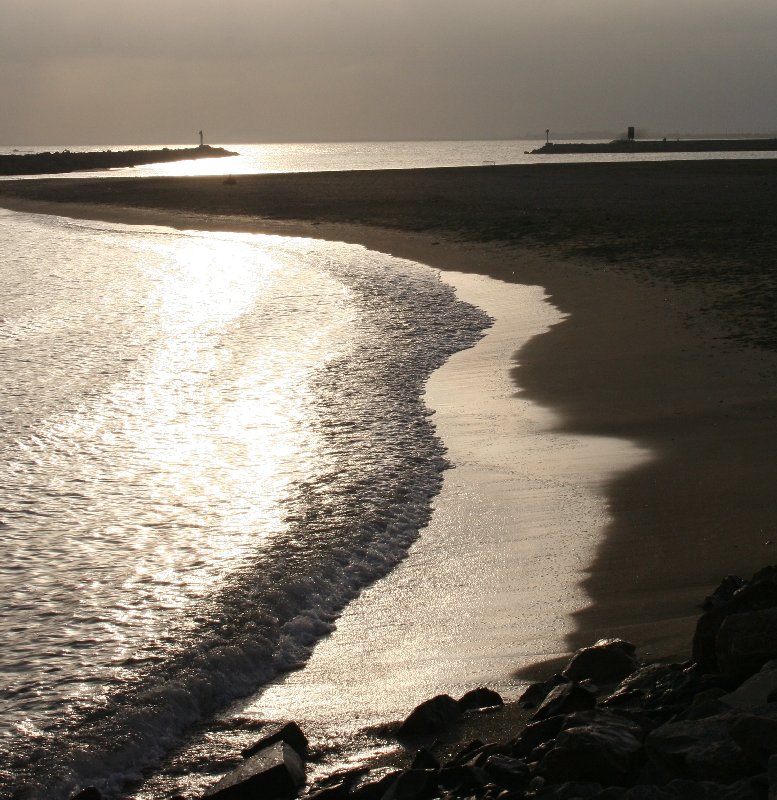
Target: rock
[[424, 760], [462, 780], [755, 788], [277, 771], [507, 772], [430, 716], [607, 661], [467, 752], [565, 699], [756, 690], [536, 692], [606, 754], [90, 793], [698, 750], [338, 791], [723, 593], [756, 736], [570, 790], [412, 784], [745, 642], [288, 732], [758, 594], [478, 758], [771, 772], [661, 690], [535, 734], [480, 698], [374, 784], [751, 789]]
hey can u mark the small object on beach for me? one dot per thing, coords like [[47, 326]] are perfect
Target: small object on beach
[[430, 715], [481, 697], [607, 661]]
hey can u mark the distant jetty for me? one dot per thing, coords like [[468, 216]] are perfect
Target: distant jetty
[[67, 161], [659, 146]]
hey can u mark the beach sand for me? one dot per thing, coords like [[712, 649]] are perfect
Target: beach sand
[[665, 275]]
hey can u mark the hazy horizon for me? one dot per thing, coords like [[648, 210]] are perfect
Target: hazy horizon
[[344, 71]]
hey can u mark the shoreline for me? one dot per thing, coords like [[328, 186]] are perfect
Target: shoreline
[[627, 362], [636, 358]]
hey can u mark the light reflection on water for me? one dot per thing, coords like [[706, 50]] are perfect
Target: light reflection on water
[[210, 443], [150, 443]]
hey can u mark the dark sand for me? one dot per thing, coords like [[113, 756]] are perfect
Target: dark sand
[[667, 271]]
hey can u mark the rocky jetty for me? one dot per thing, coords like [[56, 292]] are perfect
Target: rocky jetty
[[67, 161], [660, 146], [609, 727]]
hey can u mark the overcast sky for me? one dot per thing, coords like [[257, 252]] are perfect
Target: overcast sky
[[155, 71]]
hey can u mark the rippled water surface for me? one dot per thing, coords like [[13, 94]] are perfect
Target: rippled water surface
[[210, 442]]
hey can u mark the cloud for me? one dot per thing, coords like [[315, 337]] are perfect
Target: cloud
[[314, 69]]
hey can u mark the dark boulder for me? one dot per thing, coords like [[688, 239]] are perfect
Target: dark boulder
[[723, 593], [374, 784], [425, 760], [662, 690], [749, 789], [755, 595], [606, 754], [430, 716], [462, 780], [757, 690], [277, 771], [564, 699], [505, 771], [467, 753], [756, 737], [698, 750], [569, 790], [288, 732], [607, 661], [535, 734], [480, 698], [90, 793], [412, 784], [335, 791], [745, 642], [536, 692]]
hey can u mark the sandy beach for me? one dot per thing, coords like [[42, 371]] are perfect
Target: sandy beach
[[664, 275]]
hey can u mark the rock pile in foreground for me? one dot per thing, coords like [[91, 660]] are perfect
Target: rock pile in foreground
[[608, 727]]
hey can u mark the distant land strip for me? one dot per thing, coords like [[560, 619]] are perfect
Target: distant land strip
[[705, 223], [67, 161], [660, 146]]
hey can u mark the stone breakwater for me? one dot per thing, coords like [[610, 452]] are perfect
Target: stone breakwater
[[660, 146], [610, 726], [67, 161]]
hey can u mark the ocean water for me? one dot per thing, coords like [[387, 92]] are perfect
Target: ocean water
[[210, 443], [315, 157]]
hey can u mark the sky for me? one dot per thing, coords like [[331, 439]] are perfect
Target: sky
[[158, 71]]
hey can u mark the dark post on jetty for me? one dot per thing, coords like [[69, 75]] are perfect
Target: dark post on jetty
[[630, 133], [201, 145]]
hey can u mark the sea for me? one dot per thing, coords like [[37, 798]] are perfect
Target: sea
[[211, 444]]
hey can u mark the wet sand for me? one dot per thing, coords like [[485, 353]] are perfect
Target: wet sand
[[665, 274]]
